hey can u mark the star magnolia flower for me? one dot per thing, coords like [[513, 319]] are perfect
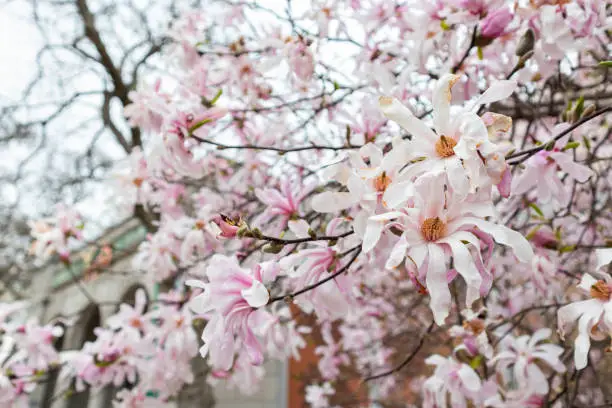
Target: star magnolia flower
[[367, 178], [472, 334], [524, 355], [35, 344], [450, 377], [128, 316], [594, 316], [233, 296], [284, 203], [458, 142], [438, 225], [148, 107], [541, 172], [318, 395]]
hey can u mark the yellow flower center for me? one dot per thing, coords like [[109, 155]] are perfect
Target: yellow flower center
[[433, 229], [382, 182], [444, 146], [600, 290]]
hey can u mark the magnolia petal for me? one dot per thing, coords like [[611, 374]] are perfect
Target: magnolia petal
[[497, 91], [396, 111], [583, 341], [398, 193], [257, 295], [328, 202], [300, 228], [457, 177], [466, 267], [469, 378], [441, 99], [397, 253], [537, 379], [372, 235], [437, 285], [586, 282], [604, 257], [579, 172], [505, 236]]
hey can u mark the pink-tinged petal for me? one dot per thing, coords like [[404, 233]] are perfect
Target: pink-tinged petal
[[417, 254], [462, 259], [373, 153], [257, 295], [469, 378], [551, 359], [497, 91], [194, 283], [300, 228], [587, 282], [504, 186], [578, 172], [140, 301], [397, 253], [372, 234], [583, 340], [441, 99], [437, 285], [429, 190], [457, 177], [472, 129], [569, 314], [538, 336], [436, 360], [537, 379], [253, 347], [524, 182], [397, 193], [505, 236], [400, 114], [328, 202], [604, 257], [502, 355]]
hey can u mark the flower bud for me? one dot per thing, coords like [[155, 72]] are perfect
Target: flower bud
[[526, 43], [494, 25]]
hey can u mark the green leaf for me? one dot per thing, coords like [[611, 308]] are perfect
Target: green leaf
[[444, 25], [217, 96], [571, 145], [586, 141], [532, 233], [579, 106], [536, 209], [605, 64], [476, 362], [480, 54], [567, 248], [199, 125]]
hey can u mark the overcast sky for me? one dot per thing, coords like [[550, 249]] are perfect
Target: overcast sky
[[19, 40]]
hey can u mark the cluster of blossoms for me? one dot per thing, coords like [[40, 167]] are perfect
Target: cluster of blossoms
[[381, 168], [27, 352], [151, 351], [53, 235]]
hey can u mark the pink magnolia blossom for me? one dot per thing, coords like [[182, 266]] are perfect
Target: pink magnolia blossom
[[594, 316], [451, 379], [437, 225], [495, 23], [234, 296], [542, 173], [524, 355], [454, 145]]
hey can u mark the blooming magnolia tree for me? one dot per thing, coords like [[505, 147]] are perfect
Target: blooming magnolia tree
[[430, 181]]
